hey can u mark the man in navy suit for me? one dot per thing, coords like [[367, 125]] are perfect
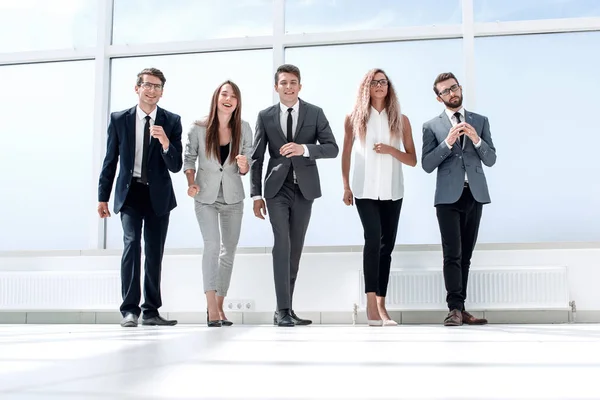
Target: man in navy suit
[[147, 140]]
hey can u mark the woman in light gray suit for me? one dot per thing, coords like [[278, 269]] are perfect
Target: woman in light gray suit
[[221, 145]]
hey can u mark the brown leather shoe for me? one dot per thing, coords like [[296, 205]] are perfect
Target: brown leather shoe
[[469, 319], [454, 318]]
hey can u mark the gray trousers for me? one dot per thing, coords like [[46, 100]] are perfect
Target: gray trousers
[[289, 213], [220, 245]]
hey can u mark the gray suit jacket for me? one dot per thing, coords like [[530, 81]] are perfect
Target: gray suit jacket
[[452, 163], [210, 173], [312, 127]]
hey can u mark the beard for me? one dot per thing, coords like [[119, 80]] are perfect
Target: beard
[[454, 102]]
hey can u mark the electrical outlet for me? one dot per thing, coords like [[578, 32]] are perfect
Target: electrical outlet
[[239, 305]]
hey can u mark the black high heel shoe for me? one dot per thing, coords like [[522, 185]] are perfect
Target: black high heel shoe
[[226, 322], [212, 324]]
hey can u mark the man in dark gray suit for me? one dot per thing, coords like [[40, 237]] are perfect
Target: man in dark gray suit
[[291, 130], [457, 142]]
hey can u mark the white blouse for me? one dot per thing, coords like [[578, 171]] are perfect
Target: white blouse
[[377, 176]]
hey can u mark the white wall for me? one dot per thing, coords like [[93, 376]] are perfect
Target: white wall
[[327, 281]]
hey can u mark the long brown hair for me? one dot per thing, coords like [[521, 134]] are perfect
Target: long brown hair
[[362, 107], [212, 125]]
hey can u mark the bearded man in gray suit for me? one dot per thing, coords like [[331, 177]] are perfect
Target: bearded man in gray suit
[[457, 142], [290, 130]]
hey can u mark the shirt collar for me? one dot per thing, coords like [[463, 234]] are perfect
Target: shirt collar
[[450, 113], [141, 114], [284, 108]]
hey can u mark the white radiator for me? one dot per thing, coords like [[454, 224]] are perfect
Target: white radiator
[[60, 290], [489, 288]]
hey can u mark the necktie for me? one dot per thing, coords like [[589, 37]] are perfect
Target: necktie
[[290, 134], [145, 150], [458, 121], [290, 138]]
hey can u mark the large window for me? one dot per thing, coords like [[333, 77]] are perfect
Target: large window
[[48, 198], [540, 93], [303, 16], [28, 25], [519, 10], [191, 81], [154, 21], [412, 67]]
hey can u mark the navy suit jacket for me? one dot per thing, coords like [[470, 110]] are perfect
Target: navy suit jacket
[[121, 146]]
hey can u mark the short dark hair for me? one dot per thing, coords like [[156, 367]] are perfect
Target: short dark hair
[[444, 76], [151, 71], [289, 68]]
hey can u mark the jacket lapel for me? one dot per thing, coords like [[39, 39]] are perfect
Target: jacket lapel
[[277, 120], [302, 109], [130, 129], [160, 120]]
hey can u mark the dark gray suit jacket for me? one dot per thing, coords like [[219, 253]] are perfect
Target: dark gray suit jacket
[[452, 163], [312, 127]]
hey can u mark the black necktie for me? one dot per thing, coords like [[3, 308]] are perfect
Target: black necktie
[[290, 138], [462, 137], [145, 150], [290, 134]]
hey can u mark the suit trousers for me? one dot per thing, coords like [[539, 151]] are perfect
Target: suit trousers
[[289, 212], [459, 227], [220, 245], [137, 210]]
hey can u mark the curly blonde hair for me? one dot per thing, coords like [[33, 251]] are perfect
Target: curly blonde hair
[[362, 108]]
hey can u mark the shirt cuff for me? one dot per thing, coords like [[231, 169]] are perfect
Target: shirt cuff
[[306, 154], [478, 143], [256, 197], [446, 141], [166, 151]]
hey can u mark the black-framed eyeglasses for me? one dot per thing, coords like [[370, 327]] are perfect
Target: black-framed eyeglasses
[[148, 86], [382, 82], [453, 89]]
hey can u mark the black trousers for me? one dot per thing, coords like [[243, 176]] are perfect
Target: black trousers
[[289, 213], [380, 224], [459, 226], [137, 210]]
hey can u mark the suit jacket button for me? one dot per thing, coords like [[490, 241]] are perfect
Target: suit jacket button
[[221, 169]]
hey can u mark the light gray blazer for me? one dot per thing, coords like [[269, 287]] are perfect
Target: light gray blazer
[[209, 172], [452, 164]]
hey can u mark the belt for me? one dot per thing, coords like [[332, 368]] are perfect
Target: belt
[[466, 184], [139, 180]]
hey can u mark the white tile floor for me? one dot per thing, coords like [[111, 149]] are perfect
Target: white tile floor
[[318, 362]]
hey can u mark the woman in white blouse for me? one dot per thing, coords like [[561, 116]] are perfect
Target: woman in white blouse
[[377, 131]]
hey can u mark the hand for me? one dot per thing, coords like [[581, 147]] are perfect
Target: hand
[[103, 211], [193, 190], [242, 163], [471, 133], [348, 197], [455, 132], [157, 132], [382, 148], [291, 149], [260, 209]]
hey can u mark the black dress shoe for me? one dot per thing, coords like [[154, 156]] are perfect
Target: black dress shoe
[[158, 321], [130, 320], [284, 318], [298, 320]]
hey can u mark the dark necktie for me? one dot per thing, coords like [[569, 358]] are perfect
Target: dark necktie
[[290, 134], [290, 138], [458, 121], [145, 150]]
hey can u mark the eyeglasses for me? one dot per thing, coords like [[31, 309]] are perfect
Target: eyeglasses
[[148, 86], [453, 88], [382, 82]]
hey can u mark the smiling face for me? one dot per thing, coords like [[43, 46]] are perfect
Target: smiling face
[[149, 91], [288, 86], [227, 100]]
